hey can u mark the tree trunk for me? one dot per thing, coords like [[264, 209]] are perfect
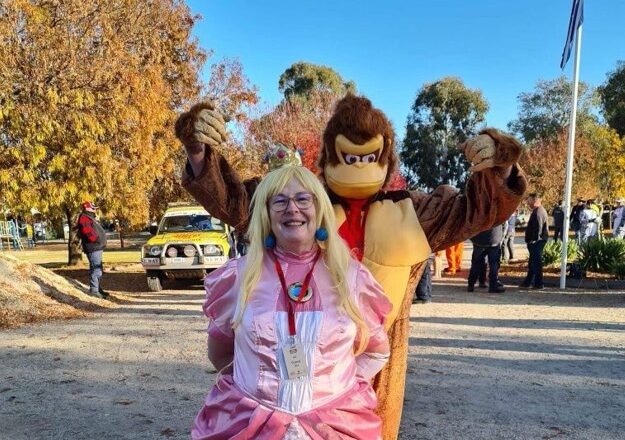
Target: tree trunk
[[74, 251], [121, 237]]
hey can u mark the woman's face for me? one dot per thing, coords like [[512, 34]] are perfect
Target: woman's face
[[293, 217]]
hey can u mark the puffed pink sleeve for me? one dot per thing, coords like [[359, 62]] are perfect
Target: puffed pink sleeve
[[221, 301], [374, 307]]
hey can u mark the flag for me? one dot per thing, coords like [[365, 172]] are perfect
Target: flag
[[577, 17]]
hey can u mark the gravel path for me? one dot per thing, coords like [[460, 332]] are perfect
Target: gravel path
[[515, 366]]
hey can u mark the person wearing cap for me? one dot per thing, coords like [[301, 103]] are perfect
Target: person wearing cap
[[93, 240], [618, 219]]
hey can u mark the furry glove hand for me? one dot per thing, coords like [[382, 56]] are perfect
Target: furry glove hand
[[491, 149], [200, 126], [480, 152]]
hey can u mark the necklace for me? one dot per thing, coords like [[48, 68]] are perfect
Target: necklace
[[296, 292]]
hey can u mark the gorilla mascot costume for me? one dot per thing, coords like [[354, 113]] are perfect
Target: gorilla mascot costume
[[391, 232]]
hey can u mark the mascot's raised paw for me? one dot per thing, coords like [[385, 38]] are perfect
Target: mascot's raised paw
[[210, 127], [490, 149], [202, 125], [480, 152]]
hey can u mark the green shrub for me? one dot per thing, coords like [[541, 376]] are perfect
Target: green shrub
[[618, 270], [552, 252], [600, 255]]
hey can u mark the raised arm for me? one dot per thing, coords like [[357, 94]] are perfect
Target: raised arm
[[492, 193], [207, 175]]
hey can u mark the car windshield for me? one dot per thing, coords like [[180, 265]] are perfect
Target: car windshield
[[191, 222]]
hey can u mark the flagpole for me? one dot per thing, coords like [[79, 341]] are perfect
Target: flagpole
[[569, 159]]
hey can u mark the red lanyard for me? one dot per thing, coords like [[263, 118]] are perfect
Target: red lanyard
[[285, 289]]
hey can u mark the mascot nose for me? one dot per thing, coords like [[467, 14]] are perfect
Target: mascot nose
[[360, 164]]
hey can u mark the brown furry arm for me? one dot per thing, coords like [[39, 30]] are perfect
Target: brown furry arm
[[207, 175], [449, 217], [220, 190]]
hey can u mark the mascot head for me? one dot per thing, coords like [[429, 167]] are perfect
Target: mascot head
[[358, 154]]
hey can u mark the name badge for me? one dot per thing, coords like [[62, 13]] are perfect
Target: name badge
[[295, 360]]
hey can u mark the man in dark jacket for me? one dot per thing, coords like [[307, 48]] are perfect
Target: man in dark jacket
[[536, 235], [558, 221], [93, 240], [487, 244], [576, 219]]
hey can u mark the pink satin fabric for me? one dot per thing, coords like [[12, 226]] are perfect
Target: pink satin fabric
[[341, 403], [230, 414]]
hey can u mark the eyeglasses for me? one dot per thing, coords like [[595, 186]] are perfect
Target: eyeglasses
[[302, 201]]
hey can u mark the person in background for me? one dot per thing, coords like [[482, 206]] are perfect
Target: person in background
[[589, 223], [93, 240], [454, 259], [618, 219], [423, 292], [598, 208], [576, 219], [30, 234], [536, 235], [508, 238], [558, 221], [487, 244]]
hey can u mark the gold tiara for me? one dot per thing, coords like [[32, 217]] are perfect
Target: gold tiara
[[279, 155]]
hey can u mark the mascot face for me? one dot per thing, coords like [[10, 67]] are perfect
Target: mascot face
[[359, 174], [357, 158]]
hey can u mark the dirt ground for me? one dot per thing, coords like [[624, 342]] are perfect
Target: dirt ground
[[518, 365]]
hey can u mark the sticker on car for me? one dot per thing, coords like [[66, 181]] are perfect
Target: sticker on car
[[215, 259]]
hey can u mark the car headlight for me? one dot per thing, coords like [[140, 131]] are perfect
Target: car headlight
[[189, 250], [212, 250], [172, 252], [153, 251]]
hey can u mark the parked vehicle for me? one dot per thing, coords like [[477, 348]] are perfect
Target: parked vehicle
[[188, 243]]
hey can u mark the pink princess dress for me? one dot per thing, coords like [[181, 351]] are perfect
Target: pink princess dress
[[334, 400]]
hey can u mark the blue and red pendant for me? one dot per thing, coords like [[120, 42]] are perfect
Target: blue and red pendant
[[295, 289]]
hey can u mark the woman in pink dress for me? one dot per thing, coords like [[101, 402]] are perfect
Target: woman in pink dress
[[296, 326]]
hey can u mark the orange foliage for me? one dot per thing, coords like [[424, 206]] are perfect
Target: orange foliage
[[296, 123], [545, 165]]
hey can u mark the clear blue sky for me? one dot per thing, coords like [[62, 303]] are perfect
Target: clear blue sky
[[392, 48]]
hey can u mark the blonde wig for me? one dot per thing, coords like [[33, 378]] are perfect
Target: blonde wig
[[336, 255]]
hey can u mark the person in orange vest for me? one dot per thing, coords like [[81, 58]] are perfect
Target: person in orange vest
[[454, 258]]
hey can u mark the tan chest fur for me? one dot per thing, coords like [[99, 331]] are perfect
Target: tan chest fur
[[394, 242]]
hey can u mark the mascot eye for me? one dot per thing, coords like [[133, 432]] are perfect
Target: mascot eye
[[351, 159], [369, 158]]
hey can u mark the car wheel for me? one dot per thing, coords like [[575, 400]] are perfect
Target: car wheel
[[155, 283]]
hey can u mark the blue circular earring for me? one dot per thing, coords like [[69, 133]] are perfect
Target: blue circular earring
[[270, 241], [321, 234]]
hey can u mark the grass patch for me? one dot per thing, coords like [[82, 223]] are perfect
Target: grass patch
[[54, 255]]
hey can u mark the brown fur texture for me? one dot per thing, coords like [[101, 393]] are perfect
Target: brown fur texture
[[508, 149], [390, 383], [185, 129], [355, 118]]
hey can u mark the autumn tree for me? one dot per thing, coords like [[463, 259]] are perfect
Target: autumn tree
[[444, 114], [296, 124], [232, 92], [303, 80], [544, 111], [545, 167], [609, 150], [89, 91], [612, 94]]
